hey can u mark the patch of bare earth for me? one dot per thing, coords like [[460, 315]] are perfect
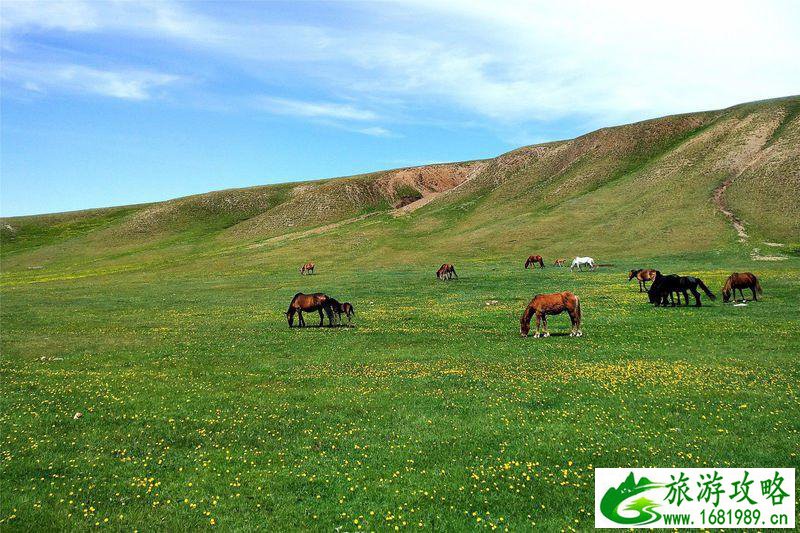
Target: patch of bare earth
[[751, 150], [755, 255], [429, 181], [719, 201]]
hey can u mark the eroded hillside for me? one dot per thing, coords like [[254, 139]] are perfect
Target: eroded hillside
[[666, 185]]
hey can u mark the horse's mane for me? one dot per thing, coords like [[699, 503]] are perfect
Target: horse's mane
[[526, 316], [728, 283]]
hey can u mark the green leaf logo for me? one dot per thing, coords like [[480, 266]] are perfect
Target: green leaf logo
[[615, 497]]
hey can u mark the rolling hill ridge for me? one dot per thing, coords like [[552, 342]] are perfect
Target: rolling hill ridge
[[675, 184]]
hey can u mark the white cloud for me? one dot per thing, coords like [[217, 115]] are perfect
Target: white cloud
[[301, 108], [520, 61], [376, 131], [517, 61], [126, 84], [70, 16]]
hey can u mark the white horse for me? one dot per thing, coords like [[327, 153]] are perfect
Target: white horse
[[580, 261]]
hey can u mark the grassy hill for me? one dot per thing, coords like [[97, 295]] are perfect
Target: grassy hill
[[163, 326], [645, 188]]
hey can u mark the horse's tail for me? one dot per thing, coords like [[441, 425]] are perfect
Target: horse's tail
[[758, 287], [705, 289], [453, 270]]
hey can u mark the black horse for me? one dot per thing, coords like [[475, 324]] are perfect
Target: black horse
[[664, 287], [338, 308]]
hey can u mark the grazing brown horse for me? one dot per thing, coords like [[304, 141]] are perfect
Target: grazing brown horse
[[309, 303], [446, 271], [643, 275], [551, 304], [560, 262], [308, 268], [743, 280], [533, 259]]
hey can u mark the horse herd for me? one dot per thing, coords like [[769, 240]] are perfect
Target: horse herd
[[664, 290], [578, 262]]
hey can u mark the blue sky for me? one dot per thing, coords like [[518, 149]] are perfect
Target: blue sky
[[110, 103]]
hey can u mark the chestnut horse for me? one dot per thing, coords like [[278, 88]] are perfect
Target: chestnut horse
[[743, 280], [446, 271], [560, 262], [532, 260], [308, 268], [643, 275], [551, 304], [309, 303]]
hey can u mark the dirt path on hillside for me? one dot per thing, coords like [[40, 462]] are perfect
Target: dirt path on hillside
[[430, 196], [313, 231], [719, 201], [719, 198]]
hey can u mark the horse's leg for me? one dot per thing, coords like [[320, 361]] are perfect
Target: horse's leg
[[696, 298], [544, 323], [300, 321], [538, 324], [753, 289], [573, 318]]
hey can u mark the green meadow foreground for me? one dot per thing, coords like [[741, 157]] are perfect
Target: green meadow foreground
[[162, 325], [201, 407]]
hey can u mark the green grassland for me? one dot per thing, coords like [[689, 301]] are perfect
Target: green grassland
[[163, 325]]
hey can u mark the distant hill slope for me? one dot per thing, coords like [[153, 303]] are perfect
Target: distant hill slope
[[654, 187]]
